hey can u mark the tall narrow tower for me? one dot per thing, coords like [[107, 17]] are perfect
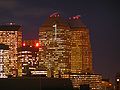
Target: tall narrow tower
[[81, 55], [55, 42]]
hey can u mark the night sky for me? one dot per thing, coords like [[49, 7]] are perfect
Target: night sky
[[102, 17]]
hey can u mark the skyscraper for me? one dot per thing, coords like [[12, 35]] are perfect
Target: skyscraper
[[54, 36], [81, 55], [11, 35], [66, 42]]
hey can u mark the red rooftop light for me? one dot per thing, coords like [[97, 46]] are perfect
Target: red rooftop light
[[75, 17], [56, 14], [24, 44], [37, 44]]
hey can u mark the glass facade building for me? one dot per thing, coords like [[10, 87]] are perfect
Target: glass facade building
[[81, 54]]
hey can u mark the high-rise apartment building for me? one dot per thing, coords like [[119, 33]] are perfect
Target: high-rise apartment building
[[11, 35], [81, 55], [54, 36]]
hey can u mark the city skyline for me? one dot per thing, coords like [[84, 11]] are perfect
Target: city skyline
[[63, 51], [100, 16]]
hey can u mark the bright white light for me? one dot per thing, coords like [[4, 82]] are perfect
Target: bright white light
[[37, 44], [11, 23], [118, 80], [55, 25]]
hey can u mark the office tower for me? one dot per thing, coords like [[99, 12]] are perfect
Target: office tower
[[28, 56], [4, 60], [54, 37], [85, 87], [81, 55], [11, 35]]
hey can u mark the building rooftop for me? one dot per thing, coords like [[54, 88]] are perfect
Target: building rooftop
[[53, 19], [9, 27], [28, 48], [76, 22]]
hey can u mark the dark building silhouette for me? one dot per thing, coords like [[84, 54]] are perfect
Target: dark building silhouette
[[35, 83], [84, 87]]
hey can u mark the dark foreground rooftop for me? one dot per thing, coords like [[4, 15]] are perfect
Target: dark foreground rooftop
[[35, 83]]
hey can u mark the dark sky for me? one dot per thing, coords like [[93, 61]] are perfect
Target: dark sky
[[101, 17]]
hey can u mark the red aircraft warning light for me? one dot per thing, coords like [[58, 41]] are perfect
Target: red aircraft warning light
[[24, 44], [37, 45]]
